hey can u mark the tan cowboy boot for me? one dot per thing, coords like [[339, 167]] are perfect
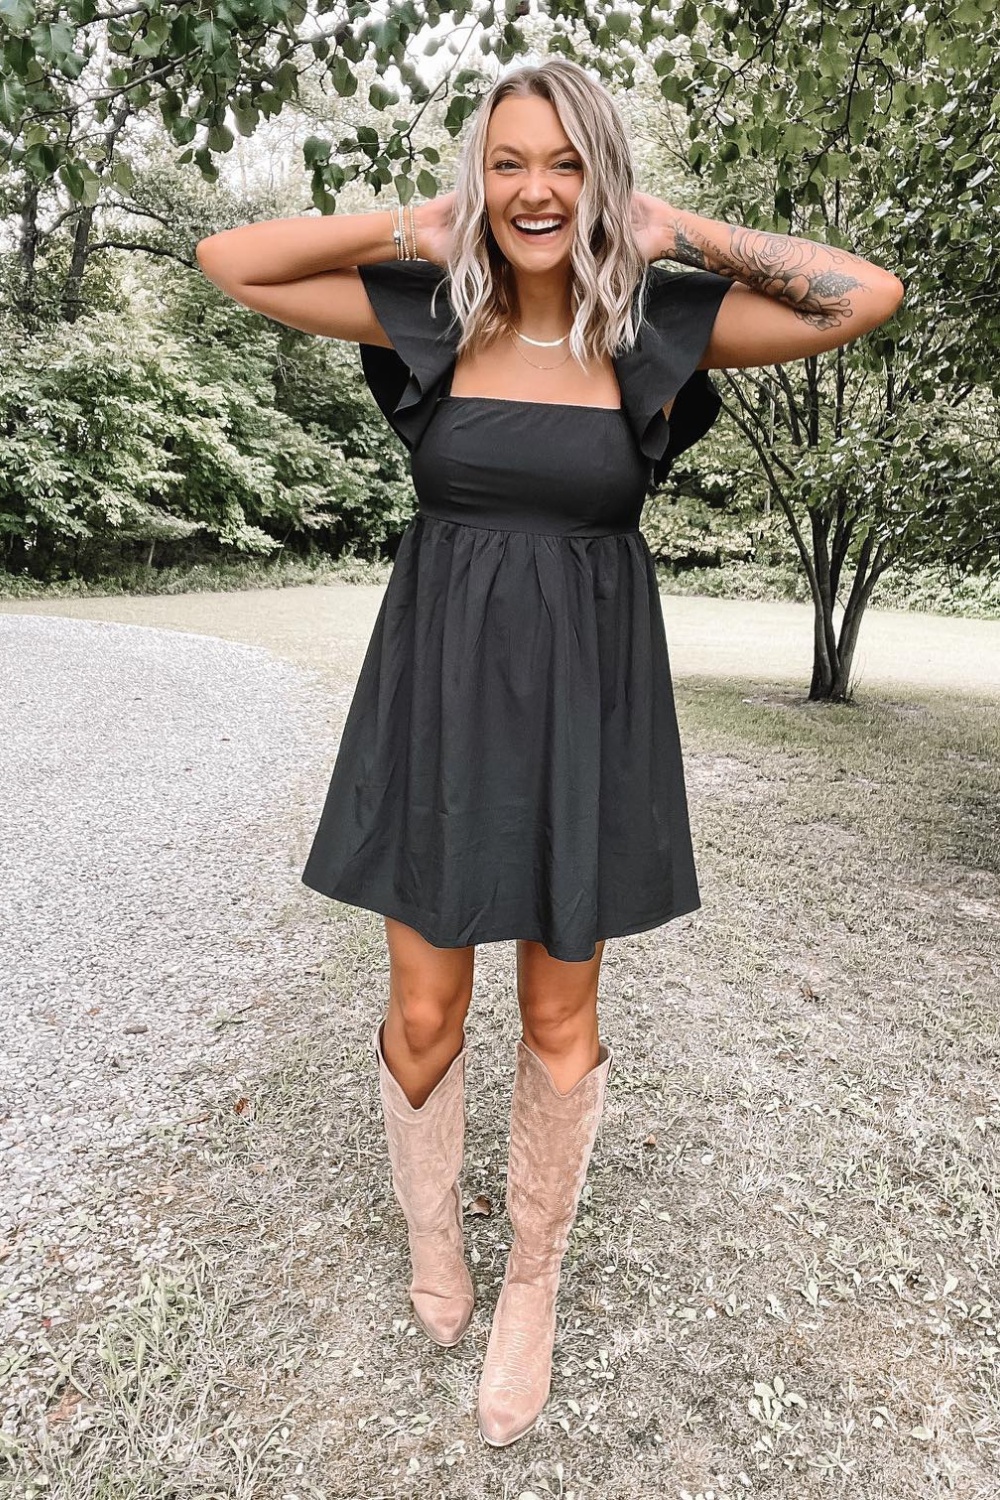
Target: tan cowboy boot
[[551, 1139], [426, 1148]]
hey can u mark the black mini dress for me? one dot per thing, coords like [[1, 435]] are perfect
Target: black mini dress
[[510, 765]]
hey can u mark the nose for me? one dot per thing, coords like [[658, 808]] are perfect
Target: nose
[[537, 191]]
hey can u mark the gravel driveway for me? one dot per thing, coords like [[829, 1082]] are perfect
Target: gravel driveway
[[157, 791]]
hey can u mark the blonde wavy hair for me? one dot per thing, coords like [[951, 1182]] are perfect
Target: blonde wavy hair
[[606, 264]]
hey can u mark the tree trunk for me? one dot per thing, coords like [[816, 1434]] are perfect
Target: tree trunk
[[28, 251], [15, 553], [72, 297], [833, 654]]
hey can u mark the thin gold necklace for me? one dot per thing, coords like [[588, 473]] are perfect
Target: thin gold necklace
[[532, 362]]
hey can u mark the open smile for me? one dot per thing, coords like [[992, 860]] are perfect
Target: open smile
[[538, 226]]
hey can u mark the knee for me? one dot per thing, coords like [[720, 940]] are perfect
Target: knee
[[557, 1025], [429, 1019]]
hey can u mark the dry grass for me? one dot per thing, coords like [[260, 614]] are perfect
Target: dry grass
[[783, 1279]]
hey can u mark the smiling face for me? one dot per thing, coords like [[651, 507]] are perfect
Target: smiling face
[[533, 175]]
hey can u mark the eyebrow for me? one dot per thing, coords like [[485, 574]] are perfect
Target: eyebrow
[[559, 151]]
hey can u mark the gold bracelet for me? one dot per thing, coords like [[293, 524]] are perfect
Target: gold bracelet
[[406, 215]]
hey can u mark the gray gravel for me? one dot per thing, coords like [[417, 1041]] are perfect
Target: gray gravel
[[159, 793]]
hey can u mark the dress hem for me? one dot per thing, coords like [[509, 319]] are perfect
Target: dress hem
[[406, 915]]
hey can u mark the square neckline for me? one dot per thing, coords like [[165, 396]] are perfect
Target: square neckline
[[522, 401]]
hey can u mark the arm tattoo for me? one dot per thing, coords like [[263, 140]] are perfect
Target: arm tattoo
[[815, 280]]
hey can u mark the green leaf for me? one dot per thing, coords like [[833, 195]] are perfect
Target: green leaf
[[53, 39], [459, 108], [343, 77], [687, 18], [315, 151], [122, 175], [17, 14], [12, 99], [672, 89], [91, 185], [381, 97], [322, 199], [206, 165], [212, 37], [42, 159], [220, 138], [247, 119], [72, 177], [72, 65]]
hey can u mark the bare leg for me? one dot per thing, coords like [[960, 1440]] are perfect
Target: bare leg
[[430, 991], [558, 1003]]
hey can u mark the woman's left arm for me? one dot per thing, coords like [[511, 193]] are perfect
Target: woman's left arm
[[791, 297]]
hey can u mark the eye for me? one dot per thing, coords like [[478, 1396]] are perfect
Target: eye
[[573, 165]]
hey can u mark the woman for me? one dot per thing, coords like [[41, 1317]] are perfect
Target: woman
[[510, 765]]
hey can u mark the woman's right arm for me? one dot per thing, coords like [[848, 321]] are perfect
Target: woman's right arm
[[303, 271]]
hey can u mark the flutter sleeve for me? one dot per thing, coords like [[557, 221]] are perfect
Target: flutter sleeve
[[407, 379], [662, 364]]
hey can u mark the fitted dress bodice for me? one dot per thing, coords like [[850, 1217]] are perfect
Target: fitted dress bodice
[[531, 466]]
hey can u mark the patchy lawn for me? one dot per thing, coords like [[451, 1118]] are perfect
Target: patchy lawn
[[783, 1280]]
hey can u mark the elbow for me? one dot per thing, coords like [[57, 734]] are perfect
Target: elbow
[[210, 262], [201, 254], [891, 294]]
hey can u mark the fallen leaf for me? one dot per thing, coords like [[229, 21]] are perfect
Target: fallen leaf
[[68, 1403]]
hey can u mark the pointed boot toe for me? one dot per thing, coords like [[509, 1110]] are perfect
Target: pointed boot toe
[[504, 1424], [517, 1371], [443, 1319]]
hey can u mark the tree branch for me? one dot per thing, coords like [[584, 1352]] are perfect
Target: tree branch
[[136, 245]]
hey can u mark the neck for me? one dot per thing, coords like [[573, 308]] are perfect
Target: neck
[[543, 308]]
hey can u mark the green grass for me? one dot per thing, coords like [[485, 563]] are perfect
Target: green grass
[[928, 590], [923, 590], [226, 577]]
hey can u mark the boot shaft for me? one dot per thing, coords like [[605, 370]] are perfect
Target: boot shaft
[[426, 1145], [552, 1137]]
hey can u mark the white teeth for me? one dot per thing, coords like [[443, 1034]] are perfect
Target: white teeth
[[537, 223]]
